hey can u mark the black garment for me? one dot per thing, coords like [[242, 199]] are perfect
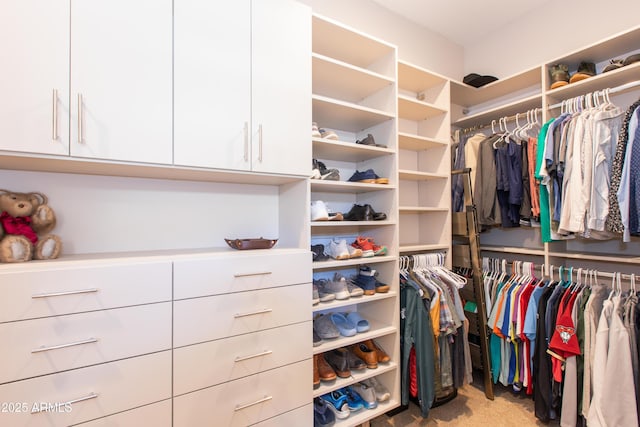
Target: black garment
[[509, 182], [541, 361], [525, 208], [457, 358]]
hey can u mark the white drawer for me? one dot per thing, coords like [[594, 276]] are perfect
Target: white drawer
[[215, 275], [231, 358], [51, 344], [302, 416], [209, 318], [62, 290], [117, 386], [156, 415], [247, 400]]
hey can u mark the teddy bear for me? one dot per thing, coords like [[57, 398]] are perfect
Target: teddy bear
[[25, 222]]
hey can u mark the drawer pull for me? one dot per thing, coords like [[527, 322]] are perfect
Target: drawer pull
[[253, 313], [264, 399], [58, 294], [70, 402], [264, 353], [71, 344], [263, 273]]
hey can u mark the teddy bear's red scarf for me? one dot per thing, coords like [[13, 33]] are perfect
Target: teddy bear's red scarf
[[18, 226]]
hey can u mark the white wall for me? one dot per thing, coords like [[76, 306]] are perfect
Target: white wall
[[416, 44], [548, 33]]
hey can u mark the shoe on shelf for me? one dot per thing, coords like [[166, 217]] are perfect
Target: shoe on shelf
[[323, 416], [354, 401], [365, 246], [323, 172], [377, 249], [383, 357], [366, 283], [323, 293], [614, 64], [368, 176], [559, 75], [382, 393], [315, 295], [315, 133], [353, 290], [336, 216], [325, 371], [325, 328], [337, 289], [337, 400], [318, 252], [328, 134], [337, 359], [316, 339], [355, 363], [366, 353], [338, 250], [362, 324], [369, 140], [366, 271], [367, 393], [316, 375], [586, 69], [319, 211], [364, 213], [344, 325], [354, 252]]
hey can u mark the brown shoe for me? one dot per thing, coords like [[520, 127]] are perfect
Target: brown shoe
[[367, 354], [383, 357], [316, 374], [325, 372], [337, 359]]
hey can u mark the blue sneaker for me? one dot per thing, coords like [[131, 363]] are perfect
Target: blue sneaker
[[322, 414], [337, 400], [354, 401], [368, 176]]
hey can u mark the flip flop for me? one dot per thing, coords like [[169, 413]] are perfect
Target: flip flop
[[362, 325]]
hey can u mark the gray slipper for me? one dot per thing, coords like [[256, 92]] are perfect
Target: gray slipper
[[325, 328]]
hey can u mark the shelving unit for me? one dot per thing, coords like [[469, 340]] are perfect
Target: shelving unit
[[354, 94], [424, 159]]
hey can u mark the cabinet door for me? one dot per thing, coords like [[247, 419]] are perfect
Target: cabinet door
[[212, 84], [121, 80], [281, 87], [34, 109]]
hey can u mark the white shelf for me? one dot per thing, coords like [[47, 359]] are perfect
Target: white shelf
[[424, 248], [337, 79], [596, 257], [336, 264], [420, 209], [484, 117], [356, 376], [338, 41], [420, 176], [598, 82], [348, 187], [416, 79], [414, 109], [337, 304], [347, 151], [321, 224], [468, 96], [346, 116], [407, 141], [513, 250], [376, 329]]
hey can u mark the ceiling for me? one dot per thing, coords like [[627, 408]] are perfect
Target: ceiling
[[461, 21]]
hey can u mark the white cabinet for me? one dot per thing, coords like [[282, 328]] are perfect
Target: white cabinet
[[35, 87], [121, 80], [242, 86], [91, 79]]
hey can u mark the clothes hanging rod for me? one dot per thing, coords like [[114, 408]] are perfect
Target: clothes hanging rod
[[615, 89], [504, 119], [556, 269]]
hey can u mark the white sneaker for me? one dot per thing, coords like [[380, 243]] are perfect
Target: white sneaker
[[338, 250], [319, 211], [381, 391], [314, 130]]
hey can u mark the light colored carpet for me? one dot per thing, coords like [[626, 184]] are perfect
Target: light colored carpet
[[469, 409]]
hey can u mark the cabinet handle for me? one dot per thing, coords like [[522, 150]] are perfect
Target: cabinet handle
[[253, 313], [264, 353], [58, 294], [241, 407], [262, 273], [54, 130], [260, 142], [246, 141], [71, 344], [70, 402], [79, 118]]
